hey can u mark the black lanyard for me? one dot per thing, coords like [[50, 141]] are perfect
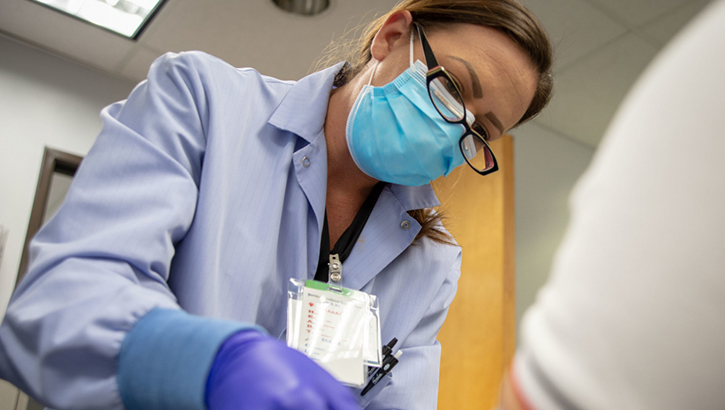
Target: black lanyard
[[343, 246]]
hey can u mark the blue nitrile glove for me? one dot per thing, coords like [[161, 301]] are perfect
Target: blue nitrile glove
[[255, 371]]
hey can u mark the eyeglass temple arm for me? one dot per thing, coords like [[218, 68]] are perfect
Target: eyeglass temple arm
[[430, 59]]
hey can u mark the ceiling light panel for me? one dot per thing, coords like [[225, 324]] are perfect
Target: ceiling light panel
[[125, 17]]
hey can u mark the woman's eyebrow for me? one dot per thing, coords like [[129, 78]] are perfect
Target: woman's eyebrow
[[477, 93], [494, 120]]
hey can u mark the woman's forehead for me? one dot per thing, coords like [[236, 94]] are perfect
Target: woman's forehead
[[490, 58]]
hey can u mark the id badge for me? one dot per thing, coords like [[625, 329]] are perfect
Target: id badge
[[338, 328]]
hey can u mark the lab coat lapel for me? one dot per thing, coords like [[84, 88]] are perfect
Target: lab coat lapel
[[310, 163], [385, 236], [302, 112]]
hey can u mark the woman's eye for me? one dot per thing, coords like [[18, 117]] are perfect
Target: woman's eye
[[451, 88], [454, 86], [480, 130]]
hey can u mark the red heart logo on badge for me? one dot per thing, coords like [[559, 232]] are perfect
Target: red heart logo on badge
[[312, 304]]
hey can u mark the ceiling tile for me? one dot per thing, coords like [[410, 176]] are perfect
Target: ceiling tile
[[63, 34], [575, 27], [257, 34], [587, 94], [661, 30], [136, 67], [590, 84], [634, 13]]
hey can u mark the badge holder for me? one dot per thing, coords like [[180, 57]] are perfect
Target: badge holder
[[338, 328]]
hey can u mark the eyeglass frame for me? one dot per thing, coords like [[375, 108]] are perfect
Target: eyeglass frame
[[440, 71]]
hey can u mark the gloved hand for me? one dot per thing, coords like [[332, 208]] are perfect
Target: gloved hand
[[255, 371]]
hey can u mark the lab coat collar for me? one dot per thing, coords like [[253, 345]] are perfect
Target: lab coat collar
[[304, 109], [415, 197]]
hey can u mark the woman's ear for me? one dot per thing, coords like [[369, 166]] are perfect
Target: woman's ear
[[395, 29]]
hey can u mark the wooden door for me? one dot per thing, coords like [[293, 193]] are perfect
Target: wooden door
[[478, 337]]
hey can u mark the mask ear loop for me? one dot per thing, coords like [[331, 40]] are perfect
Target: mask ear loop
[[411, 45], [370, 81]]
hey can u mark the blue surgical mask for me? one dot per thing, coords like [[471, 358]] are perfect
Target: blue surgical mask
[[395, 134]]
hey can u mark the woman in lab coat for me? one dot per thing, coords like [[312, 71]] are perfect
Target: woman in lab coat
[[161, 283]]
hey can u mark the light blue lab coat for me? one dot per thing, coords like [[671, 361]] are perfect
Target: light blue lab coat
[[205, 191]]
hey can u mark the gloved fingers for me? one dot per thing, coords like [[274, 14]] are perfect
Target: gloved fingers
[[338, 397], [332, 398], [320, 388], [255, 371]]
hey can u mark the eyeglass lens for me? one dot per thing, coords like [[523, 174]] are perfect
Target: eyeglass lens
[[448, 101], [476, 153]]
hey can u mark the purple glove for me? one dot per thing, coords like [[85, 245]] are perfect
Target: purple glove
[[254, 371]]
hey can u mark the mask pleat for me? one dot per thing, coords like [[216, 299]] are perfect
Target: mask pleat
[[398, 136]]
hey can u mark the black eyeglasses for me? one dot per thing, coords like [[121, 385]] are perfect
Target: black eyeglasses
[[447, 99]]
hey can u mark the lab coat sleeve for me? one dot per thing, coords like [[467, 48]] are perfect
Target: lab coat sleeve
[[413, 383], [102, 262]]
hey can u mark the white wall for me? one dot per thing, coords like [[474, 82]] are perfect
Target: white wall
[[44, 100], [547, 165]]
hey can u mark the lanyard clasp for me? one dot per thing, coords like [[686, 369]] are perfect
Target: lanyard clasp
[[335, 268]]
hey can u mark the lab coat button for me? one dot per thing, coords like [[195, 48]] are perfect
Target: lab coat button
[[405, 225], [305, 162]]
